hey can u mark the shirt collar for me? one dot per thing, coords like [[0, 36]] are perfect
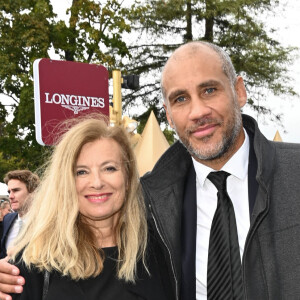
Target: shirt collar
[[19, 218], [236, 166]]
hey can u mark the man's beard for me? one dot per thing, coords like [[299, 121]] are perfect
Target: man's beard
[[218, 149]]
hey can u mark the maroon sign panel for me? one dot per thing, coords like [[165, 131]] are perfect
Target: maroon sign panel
[[64, 90]]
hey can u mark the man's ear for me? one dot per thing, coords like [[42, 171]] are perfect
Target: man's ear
[[168, 116], [241, 91]]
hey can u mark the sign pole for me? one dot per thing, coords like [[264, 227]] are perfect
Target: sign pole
[[117, 97]]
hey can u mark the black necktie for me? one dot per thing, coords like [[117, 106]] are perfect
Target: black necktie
[[224, 270]]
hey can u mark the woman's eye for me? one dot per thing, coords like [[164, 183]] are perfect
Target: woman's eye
[[81, 172], [111, 169]]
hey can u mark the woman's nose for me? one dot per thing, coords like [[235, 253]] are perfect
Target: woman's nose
[[97, 181]]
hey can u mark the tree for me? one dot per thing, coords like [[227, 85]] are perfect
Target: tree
[[235, 25], [28, 31], [24, 36]]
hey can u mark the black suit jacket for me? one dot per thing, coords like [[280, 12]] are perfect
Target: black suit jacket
[[7, 224], [270, 260]]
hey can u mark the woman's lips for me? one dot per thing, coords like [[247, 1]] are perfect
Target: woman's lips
[[98, 197]]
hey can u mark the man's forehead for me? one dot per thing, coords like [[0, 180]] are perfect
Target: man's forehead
[[15, 183], [185, 53]]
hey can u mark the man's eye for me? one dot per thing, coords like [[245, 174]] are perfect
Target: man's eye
[[209, 90], [179, 99]]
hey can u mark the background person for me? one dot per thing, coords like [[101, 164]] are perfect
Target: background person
[[4, 210], [20, 184], [87, 225]]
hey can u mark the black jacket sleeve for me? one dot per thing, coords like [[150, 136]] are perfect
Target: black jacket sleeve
[[33, 288]]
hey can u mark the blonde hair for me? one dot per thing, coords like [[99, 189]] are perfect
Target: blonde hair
[[55, 236]]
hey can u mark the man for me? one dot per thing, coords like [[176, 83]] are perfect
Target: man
[[4, 210], [203, 97], [20, 184]]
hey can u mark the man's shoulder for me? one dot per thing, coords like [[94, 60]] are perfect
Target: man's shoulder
[[291, 148], [9, 217], [176, 158], [287, 153]]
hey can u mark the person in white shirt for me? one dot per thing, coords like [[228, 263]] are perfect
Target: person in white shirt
[[203, 98], [20, 184]]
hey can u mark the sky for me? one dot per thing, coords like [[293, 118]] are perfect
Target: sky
[[3, 189]]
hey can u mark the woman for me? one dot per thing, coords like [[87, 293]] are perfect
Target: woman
[[87, 226]]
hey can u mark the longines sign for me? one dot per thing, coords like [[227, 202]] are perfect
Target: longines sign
[[80, 102], [64, 90]]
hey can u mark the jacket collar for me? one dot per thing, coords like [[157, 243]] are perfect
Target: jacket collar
[[264, 151], [164, 190], [174, 164]]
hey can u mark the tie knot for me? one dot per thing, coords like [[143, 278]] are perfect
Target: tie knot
[[218, 179]]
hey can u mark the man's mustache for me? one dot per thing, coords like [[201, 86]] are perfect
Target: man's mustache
[[202, 122]]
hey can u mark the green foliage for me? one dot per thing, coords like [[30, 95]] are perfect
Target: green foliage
[[169, 134], [8, 164], [28, 31], [24, 36], [94, 34]]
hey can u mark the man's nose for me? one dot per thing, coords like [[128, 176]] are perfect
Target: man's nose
[[199, 108]]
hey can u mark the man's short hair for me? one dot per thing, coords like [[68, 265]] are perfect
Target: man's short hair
[[30, 179]]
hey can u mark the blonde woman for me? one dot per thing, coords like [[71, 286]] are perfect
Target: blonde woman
[[87, 227]]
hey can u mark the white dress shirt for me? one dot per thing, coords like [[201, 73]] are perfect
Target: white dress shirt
[[237, 188]]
